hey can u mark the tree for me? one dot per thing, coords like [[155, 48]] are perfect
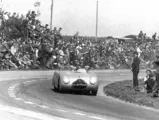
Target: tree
[[15, 28]]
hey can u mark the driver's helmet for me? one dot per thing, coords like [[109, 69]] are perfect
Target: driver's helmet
[[87, 67], [72, 67]]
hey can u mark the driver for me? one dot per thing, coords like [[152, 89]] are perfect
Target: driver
[[77, 68]]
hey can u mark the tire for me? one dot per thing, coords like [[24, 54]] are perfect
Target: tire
[[94, 92], [53, 84], [59, 86], [55, 89]]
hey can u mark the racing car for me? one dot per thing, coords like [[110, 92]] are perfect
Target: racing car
[[77, 80]]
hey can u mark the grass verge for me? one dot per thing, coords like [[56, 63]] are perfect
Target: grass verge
[[124, 90]]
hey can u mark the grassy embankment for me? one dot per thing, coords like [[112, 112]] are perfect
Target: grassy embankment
[[123, 90]]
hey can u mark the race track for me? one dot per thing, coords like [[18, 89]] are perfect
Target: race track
[[36, 94]]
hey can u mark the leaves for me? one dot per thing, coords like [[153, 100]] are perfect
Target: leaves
[[15, 28]]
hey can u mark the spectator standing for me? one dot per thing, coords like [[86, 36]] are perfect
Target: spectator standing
[[135, 69], [144, 36], [139, 51], [13, 49], [154, 36], [140, 35], [57, 36]]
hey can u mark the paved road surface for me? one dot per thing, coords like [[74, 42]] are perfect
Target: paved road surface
[[72, 106]]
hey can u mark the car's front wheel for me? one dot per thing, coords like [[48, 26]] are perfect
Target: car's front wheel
[[94, 92], [59, 86], [55, 89], [54, 86]]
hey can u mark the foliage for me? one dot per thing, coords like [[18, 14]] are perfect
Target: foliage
[[15, 28]]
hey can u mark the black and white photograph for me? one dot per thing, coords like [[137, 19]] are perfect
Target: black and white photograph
[[79, 60]]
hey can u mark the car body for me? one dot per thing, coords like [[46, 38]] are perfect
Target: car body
[[80, 80]]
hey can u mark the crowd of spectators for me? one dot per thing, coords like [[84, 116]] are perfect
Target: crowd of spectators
[[27, 44]]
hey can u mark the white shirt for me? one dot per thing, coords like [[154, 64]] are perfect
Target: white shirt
[[138, 50], [6, 17], [36, 52], [13, 50], [61, 53]]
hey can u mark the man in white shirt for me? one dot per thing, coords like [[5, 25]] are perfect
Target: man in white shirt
[[13, 49], [139, 51]]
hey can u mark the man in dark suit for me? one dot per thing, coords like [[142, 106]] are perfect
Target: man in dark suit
[[135, 69]]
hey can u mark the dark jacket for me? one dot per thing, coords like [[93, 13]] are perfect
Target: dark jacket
[[136, 64], [157, 78], [150, 81]]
